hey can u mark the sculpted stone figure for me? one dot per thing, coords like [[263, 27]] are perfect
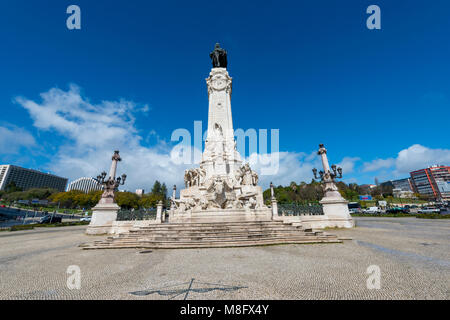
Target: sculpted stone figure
[[187, 178], [219, 193], [254, 178], [246, 176], [218, 57]]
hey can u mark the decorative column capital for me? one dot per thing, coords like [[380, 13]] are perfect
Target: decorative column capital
[[219, 80], [116, 156], [322, 149]]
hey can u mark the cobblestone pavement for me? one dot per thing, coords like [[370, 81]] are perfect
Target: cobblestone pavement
[[413, 256]]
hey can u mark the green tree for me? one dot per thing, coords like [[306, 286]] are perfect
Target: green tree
[[94, 197], [12, 187], [150, 200], [156, 189], [127, 200], [164, 190]]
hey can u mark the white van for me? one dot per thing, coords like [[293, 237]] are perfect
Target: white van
[[372, 210]]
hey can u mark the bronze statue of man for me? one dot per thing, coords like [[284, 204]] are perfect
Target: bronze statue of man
[[218, 57]]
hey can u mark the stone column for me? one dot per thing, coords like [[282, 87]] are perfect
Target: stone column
[[272, 191], [159, 213], [104, 214], [112, 170], [274, 203], [335, 207], [174, 196]]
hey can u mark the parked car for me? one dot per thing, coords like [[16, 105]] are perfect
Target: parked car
[[372, 210], [397, 210], [50, 219], [429, 210], [86, 219], [354, 207]]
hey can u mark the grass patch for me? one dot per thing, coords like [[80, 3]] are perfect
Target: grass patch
[[433, 216], [49, 225], [402, 215], [392, 215], [21, 227]]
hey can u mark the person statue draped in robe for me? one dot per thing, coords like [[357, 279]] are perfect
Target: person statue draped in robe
[[218, 57]]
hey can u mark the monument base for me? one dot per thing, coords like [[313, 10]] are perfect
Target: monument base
[[221, 215], [336, 210], [103, 216]]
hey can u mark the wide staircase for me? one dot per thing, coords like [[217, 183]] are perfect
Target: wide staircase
[[212, 235]]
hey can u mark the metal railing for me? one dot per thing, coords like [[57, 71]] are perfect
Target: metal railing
[[293, 209], [136, 214]]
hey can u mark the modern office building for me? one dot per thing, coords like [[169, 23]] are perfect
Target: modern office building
[[85, 184], [29, 178], [433, 182], [401, 184], [399, 193]]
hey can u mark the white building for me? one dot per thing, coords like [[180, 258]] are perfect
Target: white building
[[29, 178], [85, 184]]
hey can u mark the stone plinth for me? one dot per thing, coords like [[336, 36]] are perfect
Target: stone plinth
[[336, 211], [221, 215], [103, 217]]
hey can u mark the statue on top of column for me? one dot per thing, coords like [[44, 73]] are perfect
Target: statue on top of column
[[218, 57]]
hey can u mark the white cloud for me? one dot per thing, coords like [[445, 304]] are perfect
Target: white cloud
[[292, 166], [413, 158], [417, 157], [13, 139], [93, 132], [378, 164], [348, 164]]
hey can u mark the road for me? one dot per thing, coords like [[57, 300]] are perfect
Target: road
[[413, 256]]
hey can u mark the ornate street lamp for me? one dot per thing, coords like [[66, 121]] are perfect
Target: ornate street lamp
[[111, 183], [327, 175]]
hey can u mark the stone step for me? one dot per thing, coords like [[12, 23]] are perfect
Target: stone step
[[204, 235], [138, 231], [192, 245], [192, 231], [218, 238], [214, 239], [217, 224]]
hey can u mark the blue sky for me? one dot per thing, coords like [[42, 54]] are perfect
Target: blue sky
[[378, 99]]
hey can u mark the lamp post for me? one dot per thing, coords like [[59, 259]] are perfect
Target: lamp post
[[335, 207], [105, 212], [111, 183], [327, 177]]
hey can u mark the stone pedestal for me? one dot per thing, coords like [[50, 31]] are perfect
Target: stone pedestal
[[274, 209], [159, 213], [335, 208], [103, 216]]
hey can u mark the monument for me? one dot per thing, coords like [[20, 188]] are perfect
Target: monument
[[221, 204], [335, 207], [222, 188], [105, 212]]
